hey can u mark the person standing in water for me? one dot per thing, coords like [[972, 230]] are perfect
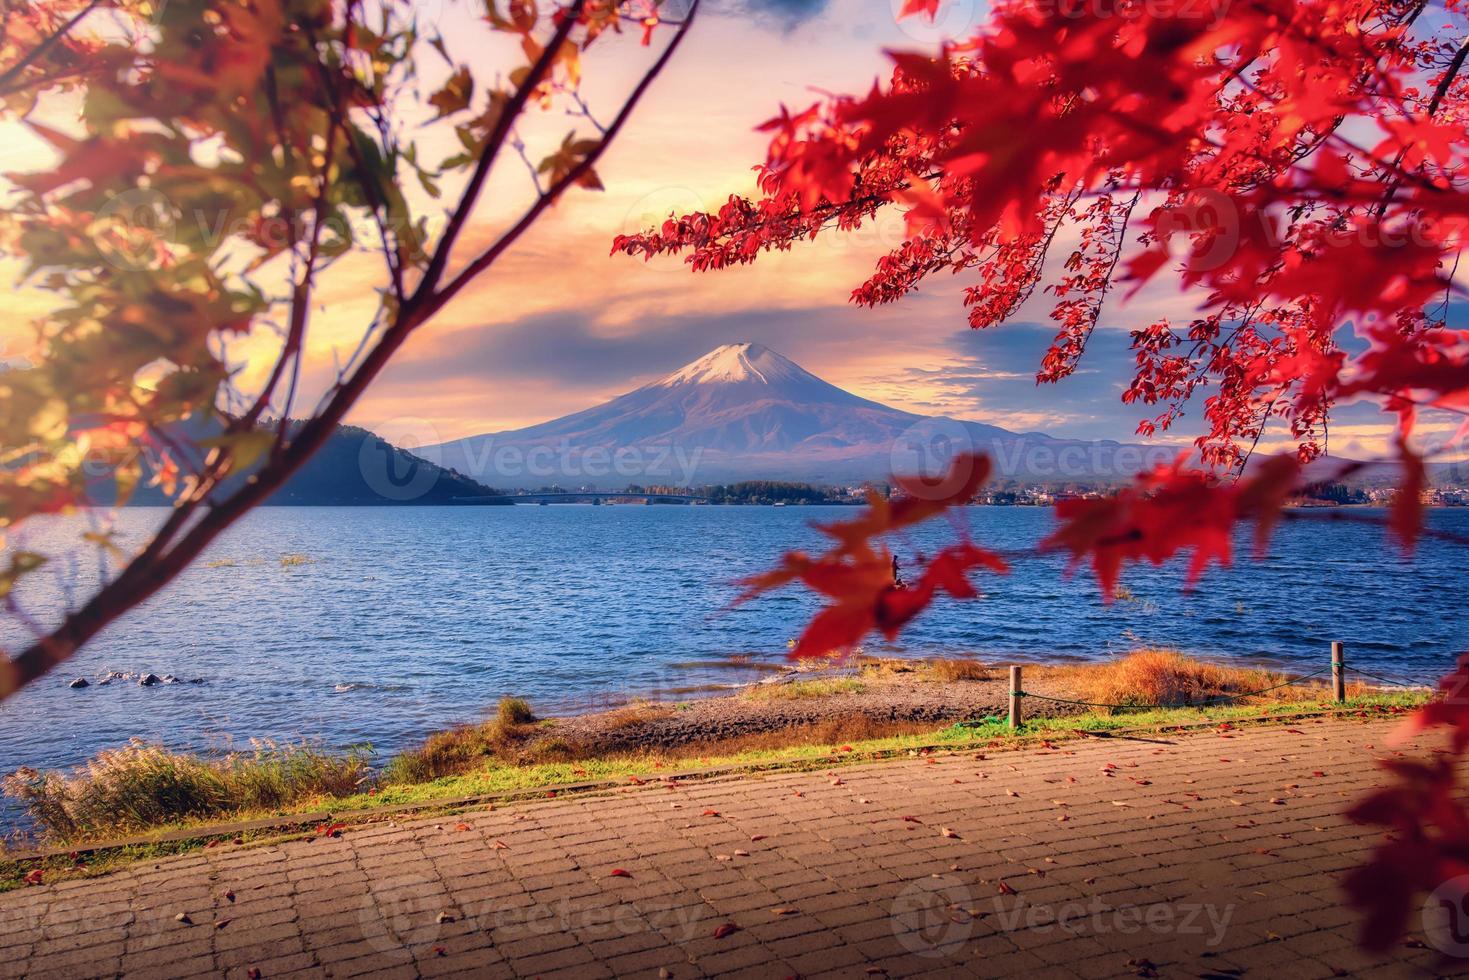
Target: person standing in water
[[898, 582]]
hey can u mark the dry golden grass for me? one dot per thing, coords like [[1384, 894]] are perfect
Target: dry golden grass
[[1169, 678], [885, 668], [634, 715], [961, 670], [458, 750], [514, 711], [142, 785]]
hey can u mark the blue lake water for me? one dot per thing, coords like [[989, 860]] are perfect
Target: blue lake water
[[406, 620]]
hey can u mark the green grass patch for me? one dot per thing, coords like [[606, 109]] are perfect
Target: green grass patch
[[796, 690]]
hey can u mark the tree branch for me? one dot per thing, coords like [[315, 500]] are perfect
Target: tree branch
[[159, 565], [8, 77], [493, 143]]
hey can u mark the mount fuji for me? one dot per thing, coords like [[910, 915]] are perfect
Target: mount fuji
[[743, 411]]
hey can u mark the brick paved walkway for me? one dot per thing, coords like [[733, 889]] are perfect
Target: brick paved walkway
[[1198, 856]]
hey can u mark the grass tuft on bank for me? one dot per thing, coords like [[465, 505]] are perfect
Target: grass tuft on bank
[[464, 748], [1167, 677], [140, 787]]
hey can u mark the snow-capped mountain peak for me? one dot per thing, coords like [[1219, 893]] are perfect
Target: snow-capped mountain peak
[[742, 411], [736, 363]]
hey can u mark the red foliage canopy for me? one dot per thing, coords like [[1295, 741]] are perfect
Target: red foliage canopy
[[1294, 165]]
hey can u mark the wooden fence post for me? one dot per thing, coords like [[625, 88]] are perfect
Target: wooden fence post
[[1338, 672], [1015, 690]]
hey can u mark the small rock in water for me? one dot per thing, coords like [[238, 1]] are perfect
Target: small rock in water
[[148, 680], [170, 679], [80, 682]]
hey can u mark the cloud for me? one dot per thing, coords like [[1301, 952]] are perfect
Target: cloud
[[568, 347], [778, 14], [492, 377], [989, 376]]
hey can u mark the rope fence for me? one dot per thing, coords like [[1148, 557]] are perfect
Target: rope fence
[[1338, 670], [1389, 680]]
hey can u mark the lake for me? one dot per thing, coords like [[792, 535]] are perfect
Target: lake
[[384, 624]]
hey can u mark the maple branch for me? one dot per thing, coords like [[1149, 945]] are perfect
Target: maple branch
[[159, 564], [34, 54], [582, 168], [493, 143], [1444, 83], [1450, 73]]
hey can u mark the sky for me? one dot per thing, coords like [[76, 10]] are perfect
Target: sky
[[558, 326], [561, 326]]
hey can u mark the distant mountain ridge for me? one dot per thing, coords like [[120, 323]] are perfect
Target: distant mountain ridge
[[743, 411], [355, 468]]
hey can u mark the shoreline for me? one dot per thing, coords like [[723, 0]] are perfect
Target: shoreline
[[870, 697], [854, 710], [93, 855]]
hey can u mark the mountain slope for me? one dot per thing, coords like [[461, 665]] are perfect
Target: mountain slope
[[354, 468], [743, 411]]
